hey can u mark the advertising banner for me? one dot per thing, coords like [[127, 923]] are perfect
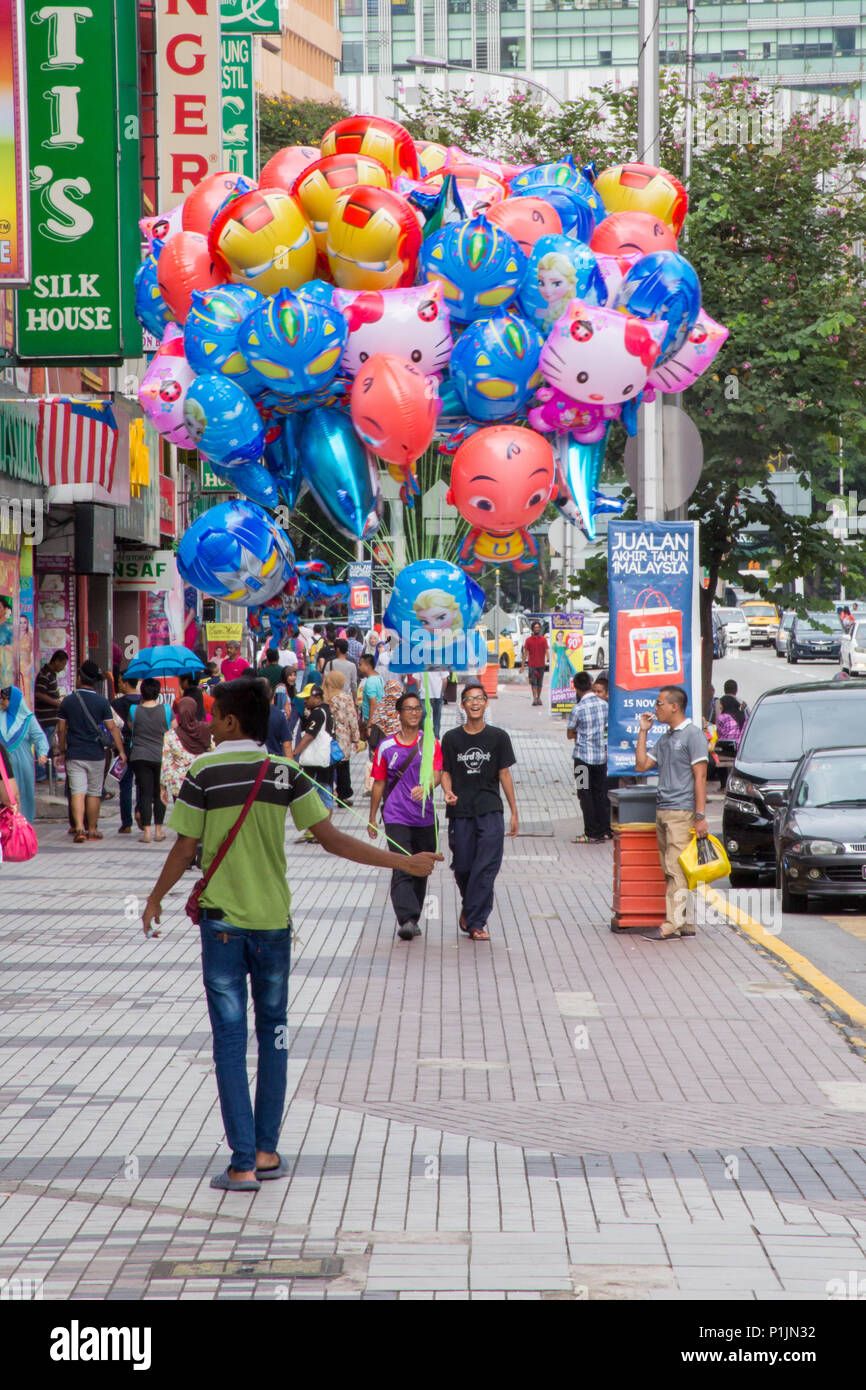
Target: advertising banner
[[188, 43], [73, 310], [55, 615], [654, 627], [26, 625], [150, 571], [359, 576], [218, 637], [14, 195], [250, 16], [566, 659], [238, 105]]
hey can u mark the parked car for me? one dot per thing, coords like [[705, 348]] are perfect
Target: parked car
[[783, 725], [780, 642], [763, 619], [817, 637], [737, 630], [820, 845], [504, 653], [596, 640], [852, 649], [720, 636]]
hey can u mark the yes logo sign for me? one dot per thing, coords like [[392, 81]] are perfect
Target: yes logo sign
[[84, 139]]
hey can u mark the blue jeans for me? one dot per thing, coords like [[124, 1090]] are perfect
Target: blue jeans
[[228, 955]]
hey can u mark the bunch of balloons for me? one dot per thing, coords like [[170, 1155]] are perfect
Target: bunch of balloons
[[367, 297]]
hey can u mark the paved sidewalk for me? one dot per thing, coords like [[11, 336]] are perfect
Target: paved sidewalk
[[564, 1113]]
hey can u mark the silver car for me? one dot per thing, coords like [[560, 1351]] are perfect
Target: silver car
[[853, 653], [738, 632], [780, 642]]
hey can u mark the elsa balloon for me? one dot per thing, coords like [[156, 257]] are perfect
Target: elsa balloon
[[162, 394], [431, 618], [560, 269]]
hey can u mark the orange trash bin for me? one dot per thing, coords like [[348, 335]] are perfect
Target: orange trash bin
[[638, 880], [489, 678]]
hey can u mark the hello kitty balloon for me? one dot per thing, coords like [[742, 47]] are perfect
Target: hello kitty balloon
[[600, 355], [692, 359], [162, 393], [413, 323]]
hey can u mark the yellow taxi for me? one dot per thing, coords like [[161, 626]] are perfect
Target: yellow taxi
[[762, 618], [505, 654]]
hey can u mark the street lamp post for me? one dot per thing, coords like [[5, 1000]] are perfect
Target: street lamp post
[[650, 478], [424, 60]]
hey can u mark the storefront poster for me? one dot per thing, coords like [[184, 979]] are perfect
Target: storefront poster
[[218, 637], [55, 615], [566, 659], [359, 574], [653, 590], [26, 634], [8, 618]]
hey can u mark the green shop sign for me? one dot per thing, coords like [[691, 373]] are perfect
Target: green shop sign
[[250, 16], [82, 112], [238, 105]]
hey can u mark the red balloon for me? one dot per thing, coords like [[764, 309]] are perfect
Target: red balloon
[[394, 408], [286, 165], [385, 140], [624, 233], [206, 197], [502, 478], [526, 219], [185, 265]]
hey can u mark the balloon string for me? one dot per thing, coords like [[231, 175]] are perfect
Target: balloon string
[[354, 814]]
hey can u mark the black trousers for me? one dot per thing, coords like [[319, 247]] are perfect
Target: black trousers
[[147, 777], [477, 844], [407, 891], [591, 780], [344, 779]]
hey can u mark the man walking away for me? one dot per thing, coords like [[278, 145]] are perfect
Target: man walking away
[[535, 657], [355, 645], [681, 757], [46, 700], [245, 924], [79, 740], [128, 697], [476, 767], [587, 726], [409, 820], [341, 663], [271, 668]]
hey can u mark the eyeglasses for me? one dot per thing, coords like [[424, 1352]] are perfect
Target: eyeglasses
[[475, 699]]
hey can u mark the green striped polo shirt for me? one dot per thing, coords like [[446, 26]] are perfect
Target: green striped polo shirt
[[249, 888]]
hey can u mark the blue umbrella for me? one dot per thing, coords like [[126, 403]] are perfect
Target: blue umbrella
[[164, 661]]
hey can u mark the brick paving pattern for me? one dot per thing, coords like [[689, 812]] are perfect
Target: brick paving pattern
[[565, 1113]]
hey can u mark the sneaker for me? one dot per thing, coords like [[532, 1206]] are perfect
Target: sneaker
[[408, 931]]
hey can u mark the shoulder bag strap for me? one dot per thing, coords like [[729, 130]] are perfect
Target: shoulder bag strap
[[230, 838], [8, 785], [87, 715], [406, 764]]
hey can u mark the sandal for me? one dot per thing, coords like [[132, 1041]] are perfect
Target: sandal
[[479, 935], [159, 835], [80, 837], [462, 923], [94, 835]]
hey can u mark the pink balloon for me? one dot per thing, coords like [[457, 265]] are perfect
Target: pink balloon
[[284, 167], [163, 391], [559, 412], [693, 358], [413, 323], [614, 269], [159, 228], [601, 356]]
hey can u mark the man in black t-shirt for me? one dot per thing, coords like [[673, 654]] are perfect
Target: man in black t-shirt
[[476, 763]]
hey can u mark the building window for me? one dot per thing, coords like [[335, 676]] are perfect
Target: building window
[[353, 57]]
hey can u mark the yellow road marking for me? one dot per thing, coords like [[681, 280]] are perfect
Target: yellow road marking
[[854, 926], [839, 997]]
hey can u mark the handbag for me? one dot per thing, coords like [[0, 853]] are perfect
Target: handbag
[[193, 906], [318, 753], [103, 739], [17, 836], [449, 691], [703, 860], [337, 754]]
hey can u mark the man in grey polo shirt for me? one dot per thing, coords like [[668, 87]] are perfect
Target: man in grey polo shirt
[[681, 757]]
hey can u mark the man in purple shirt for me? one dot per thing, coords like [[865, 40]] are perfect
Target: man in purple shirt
[[408, 818]]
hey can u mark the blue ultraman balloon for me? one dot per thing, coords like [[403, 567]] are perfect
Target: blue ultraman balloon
[[578, 470], [252, 479], [663, 286], [480, 267], [567, 190], [560, 269], [282, 458], [210, 333], [432, 615], [150, 307], [236, 552], [222, 421], [494, 366], [293, 343], [342, 474]]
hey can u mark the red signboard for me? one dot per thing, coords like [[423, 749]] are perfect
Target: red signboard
[[166, 506]]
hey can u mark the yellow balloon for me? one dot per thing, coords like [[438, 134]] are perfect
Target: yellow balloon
[[643, 188]]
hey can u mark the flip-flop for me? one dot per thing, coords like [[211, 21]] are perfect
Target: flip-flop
[[462, 923], [479, 936], [95, 835], [79, 837], [281, 1170], [227, 1184]]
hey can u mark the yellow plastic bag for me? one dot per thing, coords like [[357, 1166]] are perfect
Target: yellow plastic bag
[[703, 860]]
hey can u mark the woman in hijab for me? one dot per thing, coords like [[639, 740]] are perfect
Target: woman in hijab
[[185, 741], [22, 736]]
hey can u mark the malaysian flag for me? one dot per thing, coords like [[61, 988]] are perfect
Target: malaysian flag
[[76, 442]]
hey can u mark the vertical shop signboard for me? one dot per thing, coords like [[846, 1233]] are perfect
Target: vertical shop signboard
[[654, 628], [359, 574], [566, 659], [238, 105], [26, 625], [73, 310], [250, 16], [188, 44], [14, 191]]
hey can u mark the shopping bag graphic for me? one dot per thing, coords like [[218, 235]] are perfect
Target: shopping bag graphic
[[649, 644]]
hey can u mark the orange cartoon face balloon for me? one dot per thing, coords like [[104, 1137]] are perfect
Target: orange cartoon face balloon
[[284, 167], [185, 265], [627, 233], [526, 219], [394, 408], [644, 188], [373, 240], [264, 241], [502, 478], [385, 140], [319, 186]]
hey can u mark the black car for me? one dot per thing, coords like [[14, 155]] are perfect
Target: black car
[[821, 829], [817, 637], [720, 637], [784, 724]]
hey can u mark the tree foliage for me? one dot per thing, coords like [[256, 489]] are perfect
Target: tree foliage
[[285, 121]]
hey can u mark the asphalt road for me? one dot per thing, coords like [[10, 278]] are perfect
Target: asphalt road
[[833, 935]]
